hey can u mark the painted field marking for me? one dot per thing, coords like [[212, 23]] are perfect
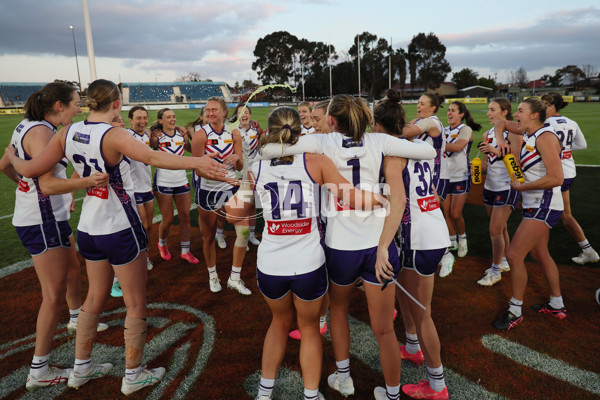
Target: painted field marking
[[64, 355], [586, 380]]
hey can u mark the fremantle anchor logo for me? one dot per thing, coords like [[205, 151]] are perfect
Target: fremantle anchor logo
[[171, 332]]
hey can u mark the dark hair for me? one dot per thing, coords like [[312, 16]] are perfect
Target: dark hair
[[101, 93], [434, 100], [389, 113], [234, 116], [537, 106], [467, 117], [554, 99], [157, 125], [134, 109], [352, 115], [504, 106], [42, 102], [284, 128], [197, 121]]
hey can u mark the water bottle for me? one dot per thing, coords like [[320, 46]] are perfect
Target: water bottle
[[513, 168], [476, 165]]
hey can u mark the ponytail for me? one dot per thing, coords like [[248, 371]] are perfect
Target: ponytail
[[467, 117], [42, 102]]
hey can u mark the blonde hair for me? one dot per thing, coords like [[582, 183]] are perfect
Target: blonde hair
[[284, 128], [223, 104], [101, 93], [351, 114]]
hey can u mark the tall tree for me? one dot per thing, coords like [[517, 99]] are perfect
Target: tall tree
[[275, 57], [399, 65], [464, 78], [589, 70], [426, 55], [487, 82], [519, 77], [190, 77], [570, 74], [374, 62]]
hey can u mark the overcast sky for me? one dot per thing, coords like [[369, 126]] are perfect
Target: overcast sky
[[159, 40]]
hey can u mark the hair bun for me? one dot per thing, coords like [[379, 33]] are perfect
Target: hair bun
[[92, 103], [394, 95]]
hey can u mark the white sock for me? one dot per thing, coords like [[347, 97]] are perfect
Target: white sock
[[436, 378], [452, 240], [132, 373], [343, 369], [39, 366], [556, 302], [235, 273], [495, 269], [462, 236], [212, 271], [115, 279], [162, 242], [74, 314], [252, 230], [219, 231], [392, 392], [322, 321], [82, 366], [504, 260], [585, 246], [412, 343], [515, 307], [266, 387], [311, 394], [185, 247]]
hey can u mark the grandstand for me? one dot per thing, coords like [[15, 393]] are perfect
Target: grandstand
[[15, 93], [173, 92]]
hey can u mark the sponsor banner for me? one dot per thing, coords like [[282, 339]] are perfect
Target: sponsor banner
[[569, 99], [8, 111], [579, 98], [295, 227], [472, 100]]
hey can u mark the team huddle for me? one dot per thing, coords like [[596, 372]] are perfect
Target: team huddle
[[351, 198]]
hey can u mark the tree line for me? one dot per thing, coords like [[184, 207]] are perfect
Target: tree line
[[281, 57]]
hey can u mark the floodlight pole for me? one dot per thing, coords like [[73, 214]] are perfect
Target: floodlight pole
[[89, 40], [330, 84], [358, 52], [390, 69], [76, 61]]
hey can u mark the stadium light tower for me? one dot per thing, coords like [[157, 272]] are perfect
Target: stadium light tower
[[76, 61]]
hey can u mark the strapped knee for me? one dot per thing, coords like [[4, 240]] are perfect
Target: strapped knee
[[242, 234], [135, 341]]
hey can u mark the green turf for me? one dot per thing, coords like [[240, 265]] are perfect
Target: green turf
[[586, 114]]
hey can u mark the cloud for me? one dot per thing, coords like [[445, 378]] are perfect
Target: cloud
[[554, 41], [170, 30]]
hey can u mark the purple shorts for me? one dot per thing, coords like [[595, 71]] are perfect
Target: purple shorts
[[39, 238], [460, 187], [567, 182], [119, 248], [442, 188], [550, 217], [425, 262], [213, 200], [308, 287], [509, 197], [145, 197], [172, 191], [346, 266]]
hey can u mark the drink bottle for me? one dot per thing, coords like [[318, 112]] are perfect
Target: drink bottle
[[513, 168]]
